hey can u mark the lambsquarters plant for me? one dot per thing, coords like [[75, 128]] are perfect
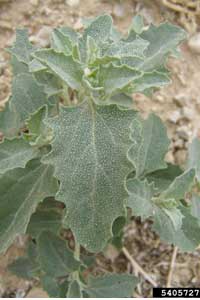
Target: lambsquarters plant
[[77, 155]]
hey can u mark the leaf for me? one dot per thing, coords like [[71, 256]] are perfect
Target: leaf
[[65, 67], [122, 100], [55, 258], [187, 238], [74, 290], [15, 153], [43, 220], [111, 286], [163, 178], [179, 186], [53, 287], [26, 266], [140, 197], [137, 24], [154, 79], [123, 49], [9, 121], [194, 157], [163, 41], [21, 190], [152, 146], [91, 164], [115, 78], [38, 135], [27, 96], [99, 29], [18, 67], [22, 48], [61, 42]]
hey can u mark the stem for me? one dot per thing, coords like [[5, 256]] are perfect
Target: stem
[[77, 251], [171, 268], [138, 268]]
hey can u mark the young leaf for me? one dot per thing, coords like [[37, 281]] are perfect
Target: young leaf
[[140, 197], [114, 78], [55, 258], [111, 286], [91, 163], [22, 48], [153, 146], [163, 41], [65, 67], [29, 187], [15, 153], [194, 157]]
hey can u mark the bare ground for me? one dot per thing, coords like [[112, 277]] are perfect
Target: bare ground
[[178, 105]]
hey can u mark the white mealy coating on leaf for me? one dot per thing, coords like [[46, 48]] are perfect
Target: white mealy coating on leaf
[[89, 155]]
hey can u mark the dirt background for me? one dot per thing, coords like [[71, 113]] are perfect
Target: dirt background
[[178, 105]]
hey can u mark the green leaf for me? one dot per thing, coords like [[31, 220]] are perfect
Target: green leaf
[[163, 178], [65, 67], [15, 153], [21, 190], [26, 266], [38, 135], [43, 220], [148, 154], [53, 287], [140, 197], [18, 67], [55, 258], [91, 164], [194, 157], [179, 186], [9, 121], [99, 29], [137, 24], [22, 48], [74, 290], [163, 40], [114, 78], [27, 96], [122, 100], [61, 42], [111, 286], [187, 238]]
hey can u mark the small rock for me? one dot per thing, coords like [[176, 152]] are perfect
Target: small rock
[[111, 252], [118, 10], [42, 37], [183, 132], [179, 144], [175, 116], [34, 2], [37, 293], [180, 99], [194, 43], [188, 113], [72, 3]]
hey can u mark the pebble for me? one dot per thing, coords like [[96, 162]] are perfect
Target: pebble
[[188, 113], [175, 116], [180, 99], [72, 3], [183, 132], [118, 10], [194, 43], [42, 37], [34, 2]]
